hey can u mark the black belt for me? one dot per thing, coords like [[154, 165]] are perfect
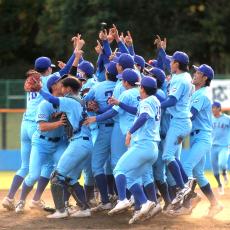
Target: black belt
[[85, 138], [194, 132], [52, 139]]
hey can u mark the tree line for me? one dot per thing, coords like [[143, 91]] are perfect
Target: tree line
[[29, 29]]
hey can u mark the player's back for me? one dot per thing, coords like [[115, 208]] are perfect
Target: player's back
[[150, 130], [103, 91], [34, 99], [221, 130]]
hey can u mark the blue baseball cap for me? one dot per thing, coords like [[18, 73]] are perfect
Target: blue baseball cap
[[111, 68], [179, 57], [52, 80], [206, 70], [43, 63], [158, 74], [148, 82], [216, 104], [130, 75], [86, 67], [139, 60], [126, 61]]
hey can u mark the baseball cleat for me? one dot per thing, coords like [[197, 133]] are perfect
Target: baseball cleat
[[20, 206], [81, 213], [102, 207], [39, 204], [221, 190], [134, 218], [58, 215], [152, 212], [146, 207], [71, 209], [214, 210], [132, 201], [8, 203], [180, 211], [181, 195], [120, 207]]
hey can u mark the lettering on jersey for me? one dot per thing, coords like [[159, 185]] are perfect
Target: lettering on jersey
[[108, 94], [195, 101], [158, 115], [41, 116], [220, 125]]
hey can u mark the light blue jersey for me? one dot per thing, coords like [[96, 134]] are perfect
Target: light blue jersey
[[129, 97], [34, 99], [45, 112], [221, 130], [181, 88], [89, 83], [150, 130], [202, 103], [118, 90], [74, 112], [101, 93]]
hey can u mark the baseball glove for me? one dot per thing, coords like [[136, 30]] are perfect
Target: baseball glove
[[92, 106], [32, 83]]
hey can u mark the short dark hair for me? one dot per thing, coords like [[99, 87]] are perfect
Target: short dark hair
[[183, 67], [207, 82], [41, 70], [111, 77], [159, 83], [149, 91], [72, 82]]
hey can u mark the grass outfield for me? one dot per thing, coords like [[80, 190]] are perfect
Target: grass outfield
[[6, 179]]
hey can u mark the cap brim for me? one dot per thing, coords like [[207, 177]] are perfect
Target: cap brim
[[195, 67], [52, 65], [169, 58]]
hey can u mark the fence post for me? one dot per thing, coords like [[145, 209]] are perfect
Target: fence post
[[4, 130]]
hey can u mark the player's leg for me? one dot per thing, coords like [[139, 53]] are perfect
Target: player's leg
[[35, 165], [100, 155], [205, 187], [68, 163], [26, 128], [215, 165], [173, 142], [223, 162]]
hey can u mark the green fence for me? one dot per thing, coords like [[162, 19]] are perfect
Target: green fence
[[12, 94]]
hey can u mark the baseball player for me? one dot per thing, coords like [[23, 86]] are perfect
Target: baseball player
[[178, 106], [139, 158], [102, 149], [76, 155], [220, 144], [47, 146], [200, 138]]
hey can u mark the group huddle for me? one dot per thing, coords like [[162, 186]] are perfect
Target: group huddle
[[120, 127]]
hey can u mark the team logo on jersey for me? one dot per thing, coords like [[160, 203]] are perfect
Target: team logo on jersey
[[195, 101]]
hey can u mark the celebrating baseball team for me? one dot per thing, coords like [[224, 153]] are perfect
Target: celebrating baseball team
[[120, 127]]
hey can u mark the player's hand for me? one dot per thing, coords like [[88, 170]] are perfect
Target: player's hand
[[63, 120], [98, 48], [157, 42], [115, 33], [122, 38], [113, 101], [128, 39], [103, 35], [89, 120], [128, 139], [61, 64], [110, 36]]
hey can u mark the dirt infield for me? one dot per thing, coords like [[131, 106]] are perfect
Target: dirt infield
[[37, 220]]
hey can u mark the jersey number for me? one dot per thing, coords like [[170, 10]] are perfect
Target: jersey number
[[32, 95]]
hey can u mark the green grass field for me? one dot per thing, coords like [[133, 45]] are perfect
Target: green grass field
[[6, 179]]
